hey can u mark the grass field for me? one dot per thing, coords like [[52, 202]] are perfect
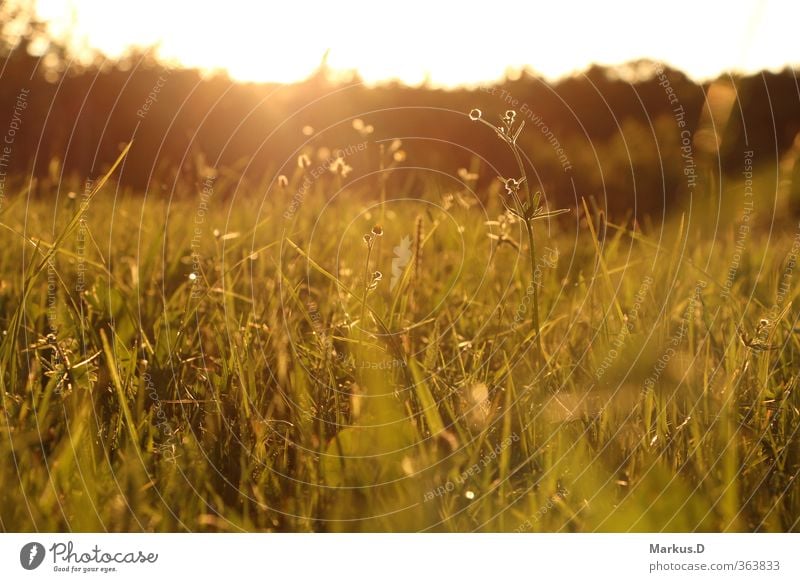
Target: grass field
[[214, 362]]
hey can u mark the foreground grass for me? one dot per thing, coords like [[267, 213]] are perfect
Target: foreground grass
[[232, 363]]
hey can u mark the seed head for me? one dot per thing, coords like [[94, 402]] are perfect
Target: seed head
[[512, 185], [475, 114], [339, 166], [447, 200], [377, 230]]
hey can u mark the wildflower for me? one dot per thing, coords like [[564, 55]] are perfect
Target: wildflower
[[512, 185], [339, 166], [377, 230], [527, 209]]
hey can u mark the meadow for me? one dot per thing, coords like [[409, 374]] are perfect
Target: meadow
[[381, 351]]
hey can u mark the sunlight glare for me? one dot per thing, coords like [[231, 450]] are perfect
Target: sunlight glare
[[447, 44]]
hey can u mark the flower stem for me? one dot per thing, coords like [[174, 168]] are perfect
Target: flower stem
[[526, 214], [531, 247], [532, 252], [363, 320]]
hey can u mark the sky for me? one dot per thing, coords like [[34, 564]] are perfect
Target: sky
[[445, 43]]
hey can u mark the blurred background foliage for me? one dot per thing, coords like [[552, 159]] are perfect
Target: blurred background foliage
[[620, 140]]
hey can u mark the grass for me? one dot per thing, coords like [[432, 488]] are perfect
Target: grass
[[286, 387]]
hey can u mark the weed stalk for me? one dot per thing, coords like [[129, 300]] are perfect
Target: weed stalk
[[528, 209]]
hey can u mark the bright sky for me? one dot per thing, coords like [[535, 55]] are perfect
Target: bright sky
[[449, 42]]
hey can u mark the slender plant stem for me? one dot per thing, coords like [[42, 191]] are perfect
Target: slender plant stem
[[532, 252], [531, 248], [362, 320], [527, 217]]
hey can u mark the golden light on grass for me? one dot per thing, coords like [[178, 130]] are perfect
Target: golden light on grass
[[447, 344]]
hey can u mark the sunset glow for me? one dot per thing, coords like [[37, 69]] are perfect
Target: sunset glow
[[447, 44]]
